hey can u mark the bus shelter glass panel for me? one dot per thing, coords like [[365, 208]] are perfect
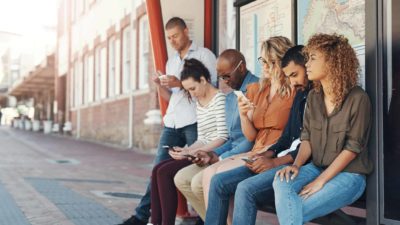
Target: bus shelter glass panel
[[391, 109]]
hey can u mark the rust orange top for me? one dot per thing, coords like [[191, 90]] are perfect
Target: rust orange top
[[269, 118]]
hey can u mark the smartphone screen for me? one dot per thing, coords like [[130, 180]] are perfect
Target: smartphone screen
[[167, 147], [247, 160], [190, 156], [240, 94]]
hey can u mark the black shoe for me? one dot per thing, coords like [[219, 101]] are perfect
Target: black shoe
[[199, 221], [133, 221]]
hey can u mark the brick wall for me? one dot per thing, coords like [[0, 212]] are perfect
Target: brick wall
[[107, 122], [145, 137]]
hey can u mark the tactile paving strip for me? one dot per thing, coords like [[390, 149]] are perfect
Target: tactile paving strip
[[79, 209], [10, 213]]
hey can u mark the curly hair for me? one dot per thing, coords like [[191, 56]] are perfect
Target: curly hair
[[274, 49], [341, 63]]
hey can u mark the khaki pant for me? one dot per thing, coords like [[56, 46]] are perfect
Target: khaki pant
[[194, 181], [188, 180]]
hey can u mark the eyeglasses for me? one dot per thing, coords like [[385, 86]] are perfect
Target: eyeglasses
[[263, 62], [228, 76]]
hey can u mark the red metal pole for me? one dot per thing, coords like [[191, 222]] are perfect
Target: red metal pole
[[208, 7], [157, 37]]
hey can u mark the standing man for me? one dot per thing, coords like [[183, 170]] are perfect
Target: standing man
[[180, 122]]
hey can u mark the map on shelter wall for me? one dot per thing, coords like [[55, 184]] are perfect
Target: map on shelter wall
[[346, 17], [260, 20]]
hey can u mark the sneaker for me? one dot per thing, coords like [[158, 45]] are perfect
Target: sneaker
[[133, 221]]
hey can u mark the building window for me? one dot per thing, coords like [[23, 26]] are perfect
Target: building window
[[72, 86], [86, 79], [78, 8], [227, 25], [97, 73], [75, 8], [126, 60], [85, 6], [143, 52], [111, 67], [103, 68], [90, 84], [78, 83]]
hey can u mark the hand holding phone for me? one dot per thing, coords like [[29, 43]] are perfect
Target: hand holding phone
[[248, 160], [240, 94], [190, 157]]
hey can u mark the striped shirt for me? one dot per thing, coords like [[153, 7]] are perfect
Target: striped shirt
[[211, 124]]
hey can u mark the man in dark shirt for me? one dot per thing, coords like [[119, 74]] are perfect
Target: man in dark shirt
[[252, 184]]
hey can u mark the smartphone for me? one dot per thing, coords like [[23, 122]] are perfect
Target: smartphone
[[159, 73], [161, 76], [240, 94], [167, 147], [190, 156], [247, 160]]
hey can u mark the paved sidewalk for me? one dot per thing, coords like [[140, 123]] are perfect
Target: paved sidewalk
[[58, 180], [51, 179]]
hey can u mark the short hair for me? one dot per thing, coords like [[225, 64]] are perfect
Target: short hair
[[175, 21], [233, 56], [294, 54], [195, 69]]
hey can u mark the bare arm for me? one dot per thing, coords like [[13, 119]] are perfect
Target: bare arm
[[341, 161], [199, 145], [164, 84], [283, 160], [164, 93], [304, 154], [210, 146], [266, 162], [246, 112], [290, 172]]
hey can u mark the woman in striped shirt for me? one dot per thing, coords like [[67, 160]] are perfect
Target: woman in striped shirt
[[212, 132]]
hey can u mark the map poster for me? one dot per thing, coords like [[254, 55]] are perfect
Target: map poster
[[346, 17], [260, 20]]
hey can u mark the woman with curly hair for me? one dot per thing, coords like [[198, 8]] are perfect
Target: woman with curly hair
[[335, 135]]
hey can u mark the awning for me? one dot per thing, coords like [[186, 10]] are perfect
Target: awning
[[38, 80]]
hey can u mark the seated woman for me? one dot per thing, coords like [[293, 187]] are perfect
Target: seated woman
[[263, 117], [252, 184], [335, 136], [212, 132]]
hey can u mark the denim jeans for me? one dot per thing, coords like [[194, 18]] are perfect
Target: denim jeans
[[342, 190], [224, 185], [253, 192], [171, 137]]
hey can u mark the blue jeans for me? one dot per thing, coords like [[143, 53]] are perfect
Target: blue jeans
[[224, 185], [253, 192], [342, 190], [171, 137]]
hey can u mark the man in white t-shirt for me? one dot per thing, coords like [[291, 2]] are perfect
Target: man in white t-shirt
[[180, 123]]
